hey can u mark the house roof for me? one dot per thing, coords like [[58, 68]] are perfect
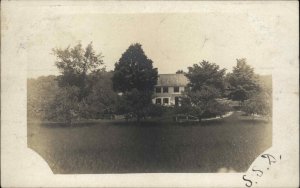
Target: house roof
[[172, 80]]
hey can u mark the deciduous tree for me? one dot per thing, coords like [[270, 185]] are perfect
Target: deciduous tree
[[205, 86], [260, 104], [243, 81], [206, 74], [180, 72], [75, 64], [41, 92]]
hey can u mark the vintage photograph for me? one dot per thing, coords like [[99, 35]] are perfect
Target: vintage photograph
[[150, 93]]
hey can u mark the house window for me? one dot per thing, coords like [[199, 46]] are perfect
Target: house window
[[158, 89], [166, 101], [176, 101], [176, 89], [158, 101], [165, 89]]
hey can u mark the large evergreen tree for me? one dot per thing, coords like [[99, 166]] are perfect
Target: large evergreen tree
[[135, 77], [134, 70]]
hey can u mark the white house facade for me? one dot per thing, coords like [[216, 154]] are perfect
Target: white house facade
[[169, 88]]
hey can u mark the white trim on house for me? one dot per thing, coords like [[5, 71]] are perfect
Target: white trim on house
[[171, 81]]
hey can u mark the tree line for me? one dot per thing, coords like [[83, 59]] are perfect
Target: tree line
[[86, 90]]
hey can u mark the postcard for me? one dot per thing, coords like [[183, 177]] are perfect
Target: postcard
[[150, 94]]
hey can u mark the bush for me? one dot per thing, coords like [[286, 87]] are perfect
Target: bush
[[218, 109], [155, 110], [65, 106], [260, 104], [47, 101], [212, 108]]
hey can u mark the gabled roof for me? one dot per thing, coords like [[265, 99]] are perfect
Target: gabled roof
[[172, 80]]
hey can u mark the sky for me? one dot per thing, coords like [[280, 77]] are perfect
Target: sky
[[172, 39]]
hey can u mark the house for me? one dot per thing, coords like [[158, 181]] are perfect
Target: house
[[169, 88]]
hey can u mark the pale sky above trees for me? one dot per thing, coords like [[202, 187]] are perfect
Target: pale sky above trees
[[173, 38]]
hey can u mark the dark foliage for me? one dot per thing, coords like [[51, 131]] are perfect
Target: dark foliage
[[135, 77], [134, 70], [180, 72], [206, 74], [48, 101], [206, 85], [243, 81]]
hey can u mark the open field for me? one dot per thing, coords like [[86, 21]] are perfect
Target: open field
[[120, 147]]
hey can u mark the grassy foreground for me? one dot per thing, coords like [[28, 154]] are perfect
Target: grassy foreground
[[119, 147]]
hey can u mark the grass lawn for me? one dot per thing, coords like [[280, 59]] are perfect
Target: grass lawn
[[119, 147]]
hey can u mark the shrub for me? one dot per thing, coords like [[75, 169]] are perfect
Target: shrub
[[260, 104], [155, 110]]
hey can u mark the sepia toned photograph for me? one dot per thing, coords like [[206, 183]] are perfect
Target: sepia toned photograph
[[151, 89], [155, 94]]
